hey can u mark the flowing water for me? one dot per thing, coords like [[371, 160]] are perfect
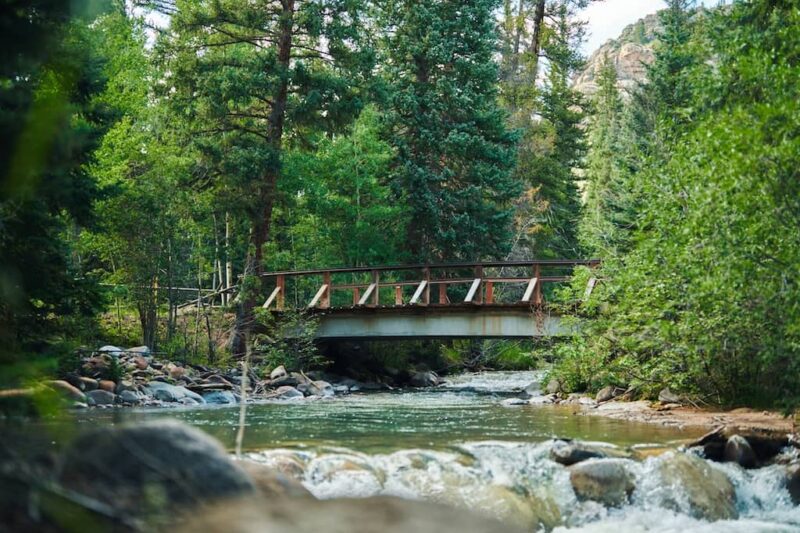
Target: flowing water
[[459, 445]]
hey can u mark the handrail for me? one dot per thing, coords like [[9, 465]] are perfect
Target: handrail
[[436, 266]]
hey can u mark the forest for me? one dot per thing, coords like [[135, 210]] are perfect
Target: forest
[[159, 144]]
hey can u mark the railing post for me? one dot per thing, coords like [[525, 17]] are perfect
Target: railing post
[[479, 294], [356, 295], [537, 273], [376, 295], [489, 292], [326, 298], [398, 295], [443, 293], [280, 282], [426, 295]]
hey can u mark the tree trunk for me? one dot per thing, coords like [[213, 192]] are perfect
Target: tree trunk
[[260, 221], [228, 259], [536, 40]]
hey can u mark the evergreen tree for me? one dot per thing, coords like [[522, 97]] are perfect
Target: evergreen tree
[[454, 152], [248, 78]]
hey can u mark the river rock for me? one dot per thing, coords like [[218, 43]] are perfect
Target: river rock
[[667, 396], [286, 393], [553, 387], [220, 397], [278, 372], [738, 450], [68, 391], [151, 467], [427, 378], [125, 385], [531, 390], [384, 514], [130, 397], [141, 350], [175, 371], [101, 397], [608, 481], [107, 385], [171, 393], [689, 480], [272, 483], [113, 351], [140, 362], [320, 388], [570, 453], [283, 381], [608, 393], [89, 383], [512, 402]]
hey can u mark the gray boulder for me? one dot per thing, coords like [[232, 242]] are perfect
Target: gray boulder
[[608, 481], [667, 396], [101, 397], [738, 450], [219, 397], [570, 453], [171, 393], [130, 397], [151, 467], [141, 350], [113, 351], [427, 378], [709, 493], [553, 387]]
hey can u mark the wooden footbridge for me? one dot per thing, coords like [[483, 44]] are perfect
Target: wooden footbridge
[[500, 299]]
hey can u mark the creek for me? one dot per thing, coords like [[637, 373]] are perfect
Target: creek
[[458, 444]]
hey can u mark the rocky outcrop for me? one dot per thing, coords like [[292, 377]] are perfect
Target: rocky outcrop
[[630, 54]]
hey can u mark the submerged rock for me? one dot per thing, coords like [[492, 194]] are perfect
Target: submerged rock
[[570, 453], [793, 482], [691, 481], [151, 467], [608, 481], [427, 378], [738, 450]]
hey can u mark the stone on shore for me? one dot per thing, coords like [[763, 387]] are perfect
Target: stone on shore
[[608, 481], [667, 396], [222, 397], [553, 387], [171, 393], [151, 467], [130, 397], [286, 393], [101, 397], [320, 388], [110, 350], [278, 372], [107, 385]]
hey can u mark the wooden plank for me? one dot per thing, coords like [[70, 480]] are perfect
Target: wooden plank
[[355, 295], [419, 293], [326, 297], [589, 288], [473, 292], [478, 297], [376, 294], [529, 290], [426, 295], [537, 294], [322, 290], [367, 293], [443, 299], [271, 298], [398, 295]]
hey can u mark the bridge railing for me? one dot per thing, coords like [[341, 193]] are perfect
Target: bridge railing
[[523, 283]]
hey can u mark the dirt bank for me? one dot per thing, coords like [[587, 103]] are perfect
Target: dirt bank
[[683, 416]]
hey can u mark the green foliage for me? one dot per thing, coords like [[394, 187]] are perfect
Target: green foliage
[[705, 301], [288, 341], [454, 152]]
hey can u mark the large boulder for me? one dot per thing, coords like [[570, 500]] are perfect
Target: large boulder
[[384, 514], [553, 387], [113, 351], [107, 385], [426, 378], [693, 486], [608, 481], [151, 467], [130, 397], [140, 350]]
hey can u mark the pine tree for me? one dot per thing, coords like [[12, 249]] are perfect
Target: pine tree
[[454, 152]]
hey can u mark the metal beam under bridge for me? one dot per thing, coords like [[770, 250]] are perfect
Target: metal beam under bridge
[[506, 322]]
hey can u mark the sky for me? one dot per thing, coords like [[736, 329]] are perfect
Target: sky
[[607, 19]]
